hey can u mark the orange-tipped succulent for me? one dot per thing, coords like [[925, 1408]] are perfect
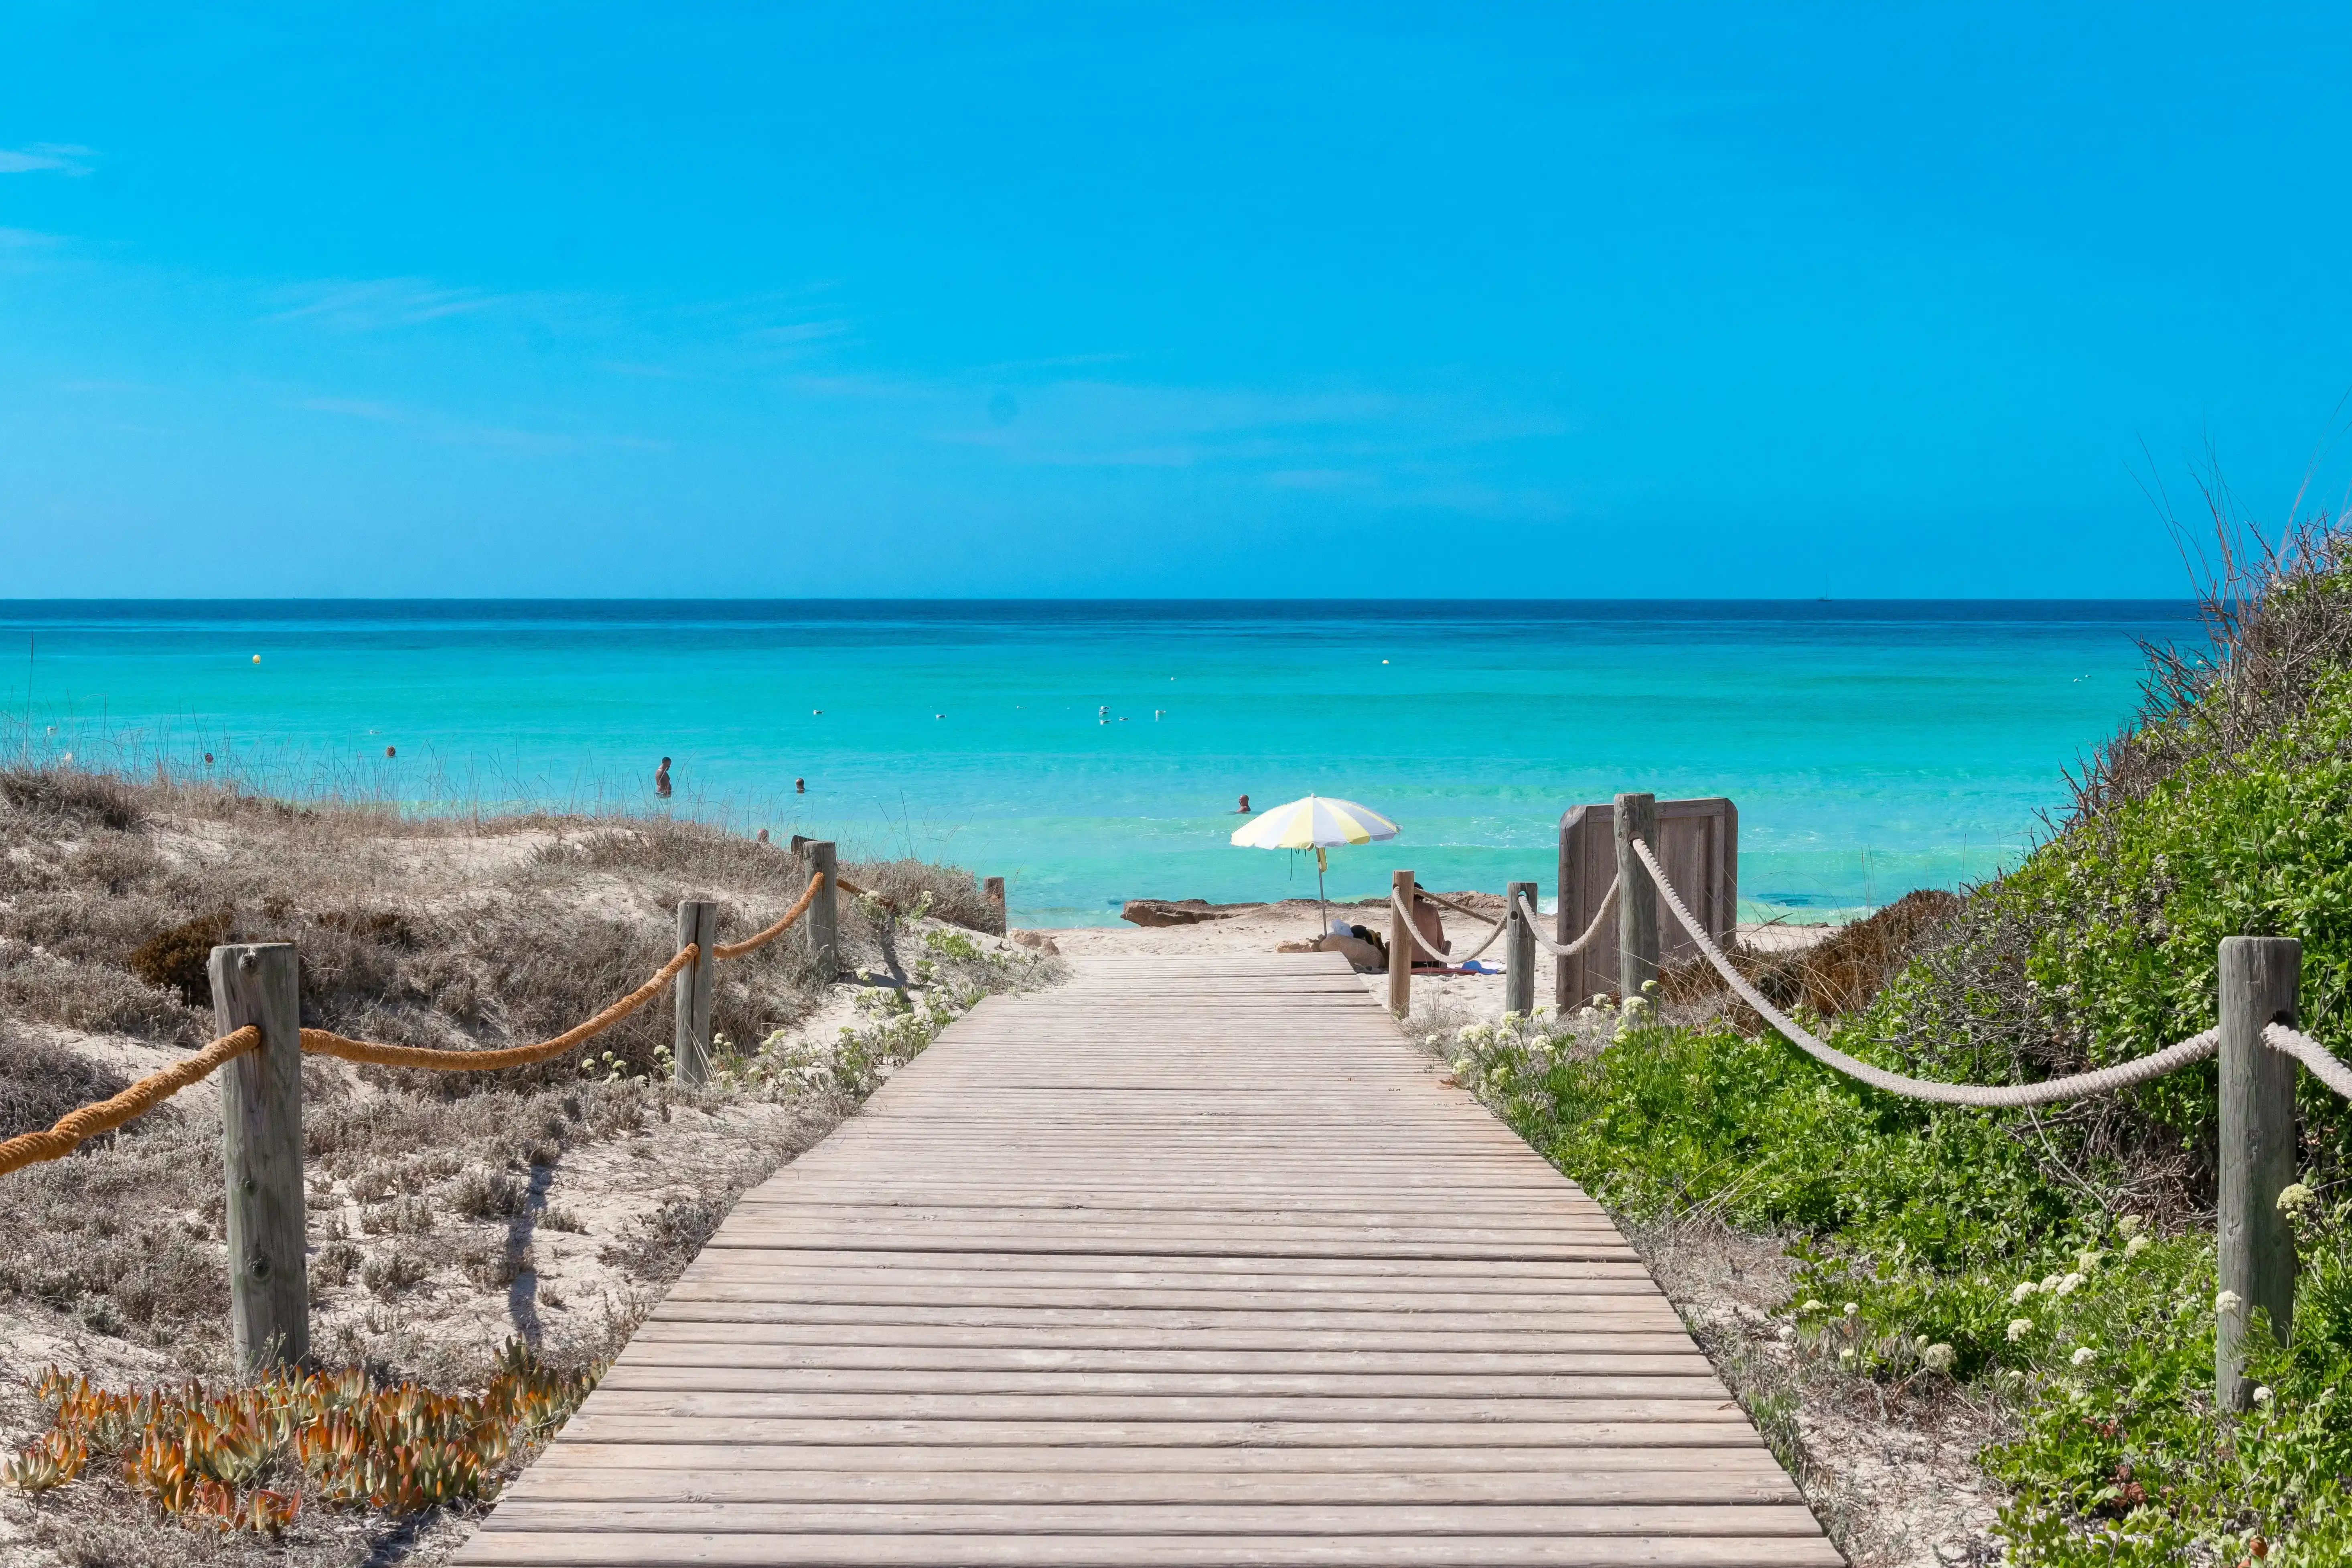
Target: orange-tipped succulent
[[203, 1456]]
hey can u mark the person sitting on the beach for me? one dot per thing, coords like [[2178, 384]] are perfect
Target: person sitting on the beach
[[1426, 920], [661, 779], [1363, 948]]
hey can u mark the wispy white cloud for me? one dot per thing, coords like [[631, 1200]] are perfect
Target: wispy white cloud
[[376, 304], [1433, 448], [356, 408], [46, 157], [426, 425], [89, 385], [800, 332]]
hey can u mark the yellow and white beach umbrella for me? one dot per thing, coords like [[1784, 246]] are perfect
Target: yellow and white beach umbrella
[[1318, 822]]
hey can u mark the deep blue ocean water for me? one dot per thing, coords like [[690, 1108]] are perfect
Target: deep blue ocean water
[[1871, 747]]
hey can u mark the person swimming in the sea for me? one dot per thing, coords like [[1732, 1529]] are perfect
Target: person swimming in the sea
[[1244, 810], [661, 779]]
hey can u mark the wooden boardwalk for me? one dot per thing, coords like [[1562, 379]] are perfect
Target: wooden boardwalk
[[1185, 1262]]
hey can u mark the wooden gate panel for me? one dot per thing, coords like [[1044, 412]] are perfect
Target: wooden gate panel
[[1698, 844]]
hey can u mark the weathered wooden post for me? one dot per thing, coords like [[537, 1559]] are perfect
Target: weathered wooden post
[[994, 889], [1400, 947], [825, 914], [261, 1144], [2260, 978], [1519, 951], [697, 923], [1637, 896]]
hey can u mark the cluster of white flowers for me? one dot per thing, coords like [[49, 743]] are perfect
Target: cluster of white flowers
[[1493, 1056]]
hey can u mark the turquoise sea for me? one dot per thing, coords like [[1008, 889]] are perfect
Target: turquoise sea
[[1092, 752]]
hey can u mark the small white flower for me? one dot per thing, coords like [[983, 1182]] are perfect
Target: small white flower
[[2262, 1394], [2018, 1296], [2296, 1197], [2087, 1261], [1814, 1307], [2084, 1356], [1939, 1358], [1852, 1308], [2131, 1225], [2068, 1286], [2049, 1282], [1920, 1343], [1845, 1356], [2135, 1246], [2018, 1327], [2228, 1301]]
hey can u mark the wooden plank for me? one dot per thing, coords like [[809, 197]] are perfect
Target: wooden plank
[[1183, 1263], [740, 1517], [1723, 1427], [835, 1344], [1056, 1483], [533, 1549], [1187, 1324], [1164, 1463], [1495, 1390]]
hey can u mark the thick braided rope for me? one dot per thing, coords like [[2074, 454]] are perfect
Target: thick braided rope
[[1569, 950], [2324, 1065], [1420, 941], [1458, 909], [2082, 1085], [319, 1042], [754, 943], [71, 1129]]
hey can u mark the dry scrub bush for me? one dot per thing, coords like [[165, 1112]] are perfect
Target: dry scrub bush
[[1843, 973], [40, 1082], [452, 934]]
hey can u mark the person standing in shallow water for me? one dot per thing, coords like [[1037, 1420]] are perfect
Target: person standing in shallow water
[[661, 779], [1244, 810]]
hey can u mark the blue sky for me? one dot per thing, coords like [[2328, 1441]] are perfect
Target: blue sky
[[869, 301]]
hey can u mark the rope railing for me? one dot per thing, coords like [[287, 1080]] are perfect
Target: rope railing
[[75, 1126], [1405, 923], [325, 1043], [263, 1148], [2259, 979], [2323, 1064], [1458, 909], [753, 943], [79, 1125], [1570, 949]]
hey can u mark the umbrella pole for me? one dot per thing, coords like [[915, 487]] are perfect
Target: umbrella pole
[[1320, 902]]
